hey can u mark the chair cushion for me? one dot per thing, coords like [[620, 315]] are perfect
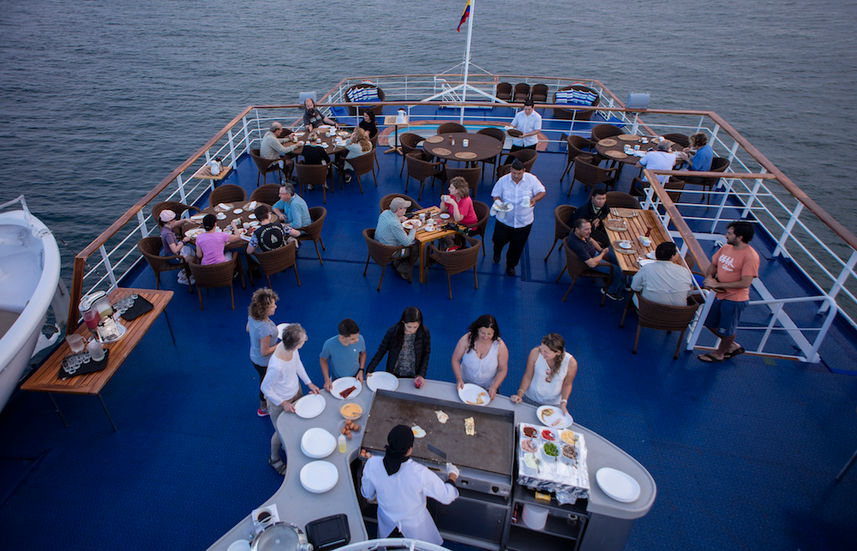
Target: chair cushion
[[363, 94], [575, 97]]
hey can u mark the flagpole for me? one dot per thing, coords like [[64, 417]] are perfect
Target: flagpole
[[467, 57]]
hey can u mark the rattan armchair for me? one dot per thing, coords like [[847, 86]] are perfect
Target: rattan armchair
[[150, 248], [539, 93], [451, 128], [227, 193], [521, 92], [381, 254], [385, 201], [175, 206], [680, 139], [264, 166], [526, 156], [578, 147], [592, 176], [601, 131], [421, 169], [312, 175], [483, 213], [267, 193], [364, 164], [216, 275], [498, 135], [277, 260], [664, 317], [561, 215], [621, 200], [312, 231], [455, 262], [472, 174], [407, 143], [503, 91]]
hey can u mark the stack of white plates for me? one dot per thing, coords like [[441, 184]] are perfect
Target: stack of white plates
[[618, 485], [317, 443], [381, 380], [319, 476]]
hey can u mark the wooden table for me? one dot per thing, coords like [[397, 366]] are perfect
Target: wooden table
[[638, 222], [46, 378], [393, 120], [300, 138], [204, 173], [451, 147], [425, 237], [613, 147]]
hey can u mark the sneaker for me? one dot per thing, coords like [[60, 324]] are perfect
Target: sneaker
[[181, 278], [347, 178], [610, 295], [262, 412]]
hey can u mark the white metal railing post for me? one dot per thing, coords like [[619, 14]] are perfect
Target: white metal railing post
[[830, 305], [847, 270], [693, 338], [246, 132], [700, 125], [775, 315], [714, 133], [141, 218], [722, 206], [635, 124], [749, 204], [181, 189], [787, 232], [649, 191], [108, 266], [732, 151], [234, 162]]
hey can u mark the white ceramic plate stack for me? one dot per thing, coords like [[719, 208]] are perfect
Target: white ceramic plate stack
[[318, 477], [471, 394], [556, 419], [310, 406], [381, 380], [317, 443], [343, 383], [618, 485]]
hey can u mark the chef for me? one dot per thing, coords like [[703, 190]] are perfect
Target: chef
[[401, 487]]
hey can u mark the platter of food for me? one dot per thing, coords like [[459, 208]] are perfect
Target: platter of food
[[194, 232], [351, 411], [624, 244], [616, 225], [346, 387], [412, 223], [474, 395], [553, 416], [514, 132]]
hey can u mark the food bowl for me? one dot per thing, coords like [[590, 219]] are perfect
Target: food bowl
[[351, 411], [550, 451]]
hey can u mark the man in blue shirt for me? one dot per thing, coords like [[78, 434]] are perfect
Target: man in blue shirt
[[702, 155], [343, 355], [389, 231], [291, 208]]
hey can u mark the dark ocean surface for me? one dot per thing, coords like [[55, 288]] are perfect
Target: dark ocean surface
[[89, 89]]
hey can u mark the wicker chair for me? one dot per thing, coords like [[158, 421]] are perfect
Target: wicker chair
[[381, 254], [227, 193], [377, 109], [451, 128], [312, 175], [150, 248], [601, 131], [277, 260], [539, 93], [267, 193], [577, 268], [576, 113], [312, 231], [408, 142], [660, 316], [175, 206], [455, 262], [577, 147], [216, 275], [384, 204], [421, 169], [680, 139], [498, 135], [483, 213], [503, 91], [526, 156], [264, 166], [521, 92], [364, 164], [592, 176], [621, 200], [471, 174], [561, 230]]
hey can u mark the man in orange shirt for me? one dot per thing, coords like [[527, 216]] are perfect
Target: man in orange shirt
[[730, 275]]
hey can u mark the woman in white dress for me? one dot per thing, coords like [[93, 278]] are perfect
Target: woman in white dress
[[549, 376], [481, 356], [401, 487]]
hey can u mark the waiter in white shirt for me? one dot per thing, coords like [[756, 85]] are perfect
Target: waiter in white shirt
[[530, 123], [401, 487], [515, 195]]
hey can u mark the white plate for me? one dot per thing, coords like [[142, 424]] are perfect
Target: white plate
[[317, 443], [444, 216], [238, 211], [342, 383], [644, 261], [624, 244], [239, 545], [310, 406], [412, 223], [502, 207], [651, 255], [194, 232], [221, 216], [556, 420], [618, 485], [319, 476], [381, 380], [252, 216], [470, 394]]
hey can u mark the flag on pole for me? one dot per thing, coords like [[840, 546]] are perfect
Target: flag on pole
[[464, 15]]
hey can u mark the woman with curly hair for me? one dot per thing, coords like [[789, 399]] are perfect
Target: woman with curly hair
[[481, 356], [549, 375], [263, 336]]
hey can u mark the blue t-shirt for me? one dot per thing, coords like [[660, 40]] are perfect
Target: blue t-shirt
[[343, 361], [702, 160], [258, 330]]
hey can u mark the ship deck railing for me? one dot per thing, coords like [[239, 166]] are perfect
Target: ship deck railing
[[799, 230]]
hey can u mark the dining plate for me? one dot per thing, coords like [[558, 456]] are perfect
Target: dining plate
[[552, 416], [624, 244], [381, 380], [503, 207], [319, 476], [238, 211], [310, 406], [617, 485], [651, 255], [444, 216], [474, 395], [342, 384], [194, 232], [412, 223], [317, 443]]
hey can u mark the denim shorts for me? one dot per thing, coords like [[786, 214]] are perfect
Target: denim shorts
[[724, 315]]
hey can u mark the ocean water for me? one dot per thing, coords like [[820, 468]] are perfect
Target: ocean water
[[92, 89]]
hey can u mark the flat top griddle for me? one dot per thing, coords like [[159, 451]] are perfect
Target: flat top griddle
[[490, 449]]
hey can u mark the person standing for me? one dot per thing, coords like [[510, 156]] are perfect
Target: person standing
[[530, 124], [518, 192], [730, 276], [263, 336], [481, 356], [549, 376], [401, 486], [343, 355], [407, 346]]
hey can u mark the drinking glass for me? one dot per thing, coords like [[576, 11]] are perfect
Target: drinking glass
[[91, 317], [95, 350], [75, 343]]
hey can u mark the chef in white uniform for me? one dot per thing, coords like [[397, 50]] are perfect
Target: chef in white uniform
[[401, 487]]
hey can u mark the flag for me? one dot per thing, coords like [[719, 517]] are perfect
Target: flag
[[464, 15]]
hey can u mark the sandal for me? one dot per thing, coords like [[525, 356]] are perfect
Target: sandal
[[708, 358], [736, 352], [278, 465]]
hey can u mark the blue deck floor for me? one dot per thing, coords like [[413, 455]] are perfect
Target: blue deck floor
[[744, 453]]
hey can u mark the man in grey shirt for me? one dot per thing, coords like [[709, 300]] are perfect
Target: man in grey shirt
[[664, 281], [272, 148]]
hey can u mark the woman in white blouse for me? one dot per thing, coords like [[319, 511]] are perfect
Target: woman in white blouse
[[481, 356], [549, 375]]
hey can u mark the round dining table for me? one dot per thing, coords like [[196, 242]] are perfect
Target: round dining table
[[327, 141], [451, 147], [241, 211], [613, 147]]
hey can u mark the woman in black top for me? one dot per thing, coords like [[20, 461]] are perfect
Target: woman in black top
[[313, 117], [368, 124], [407, 346]]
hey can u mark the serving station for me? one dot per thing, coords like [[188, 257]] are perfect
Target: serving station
[[492, 512]]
